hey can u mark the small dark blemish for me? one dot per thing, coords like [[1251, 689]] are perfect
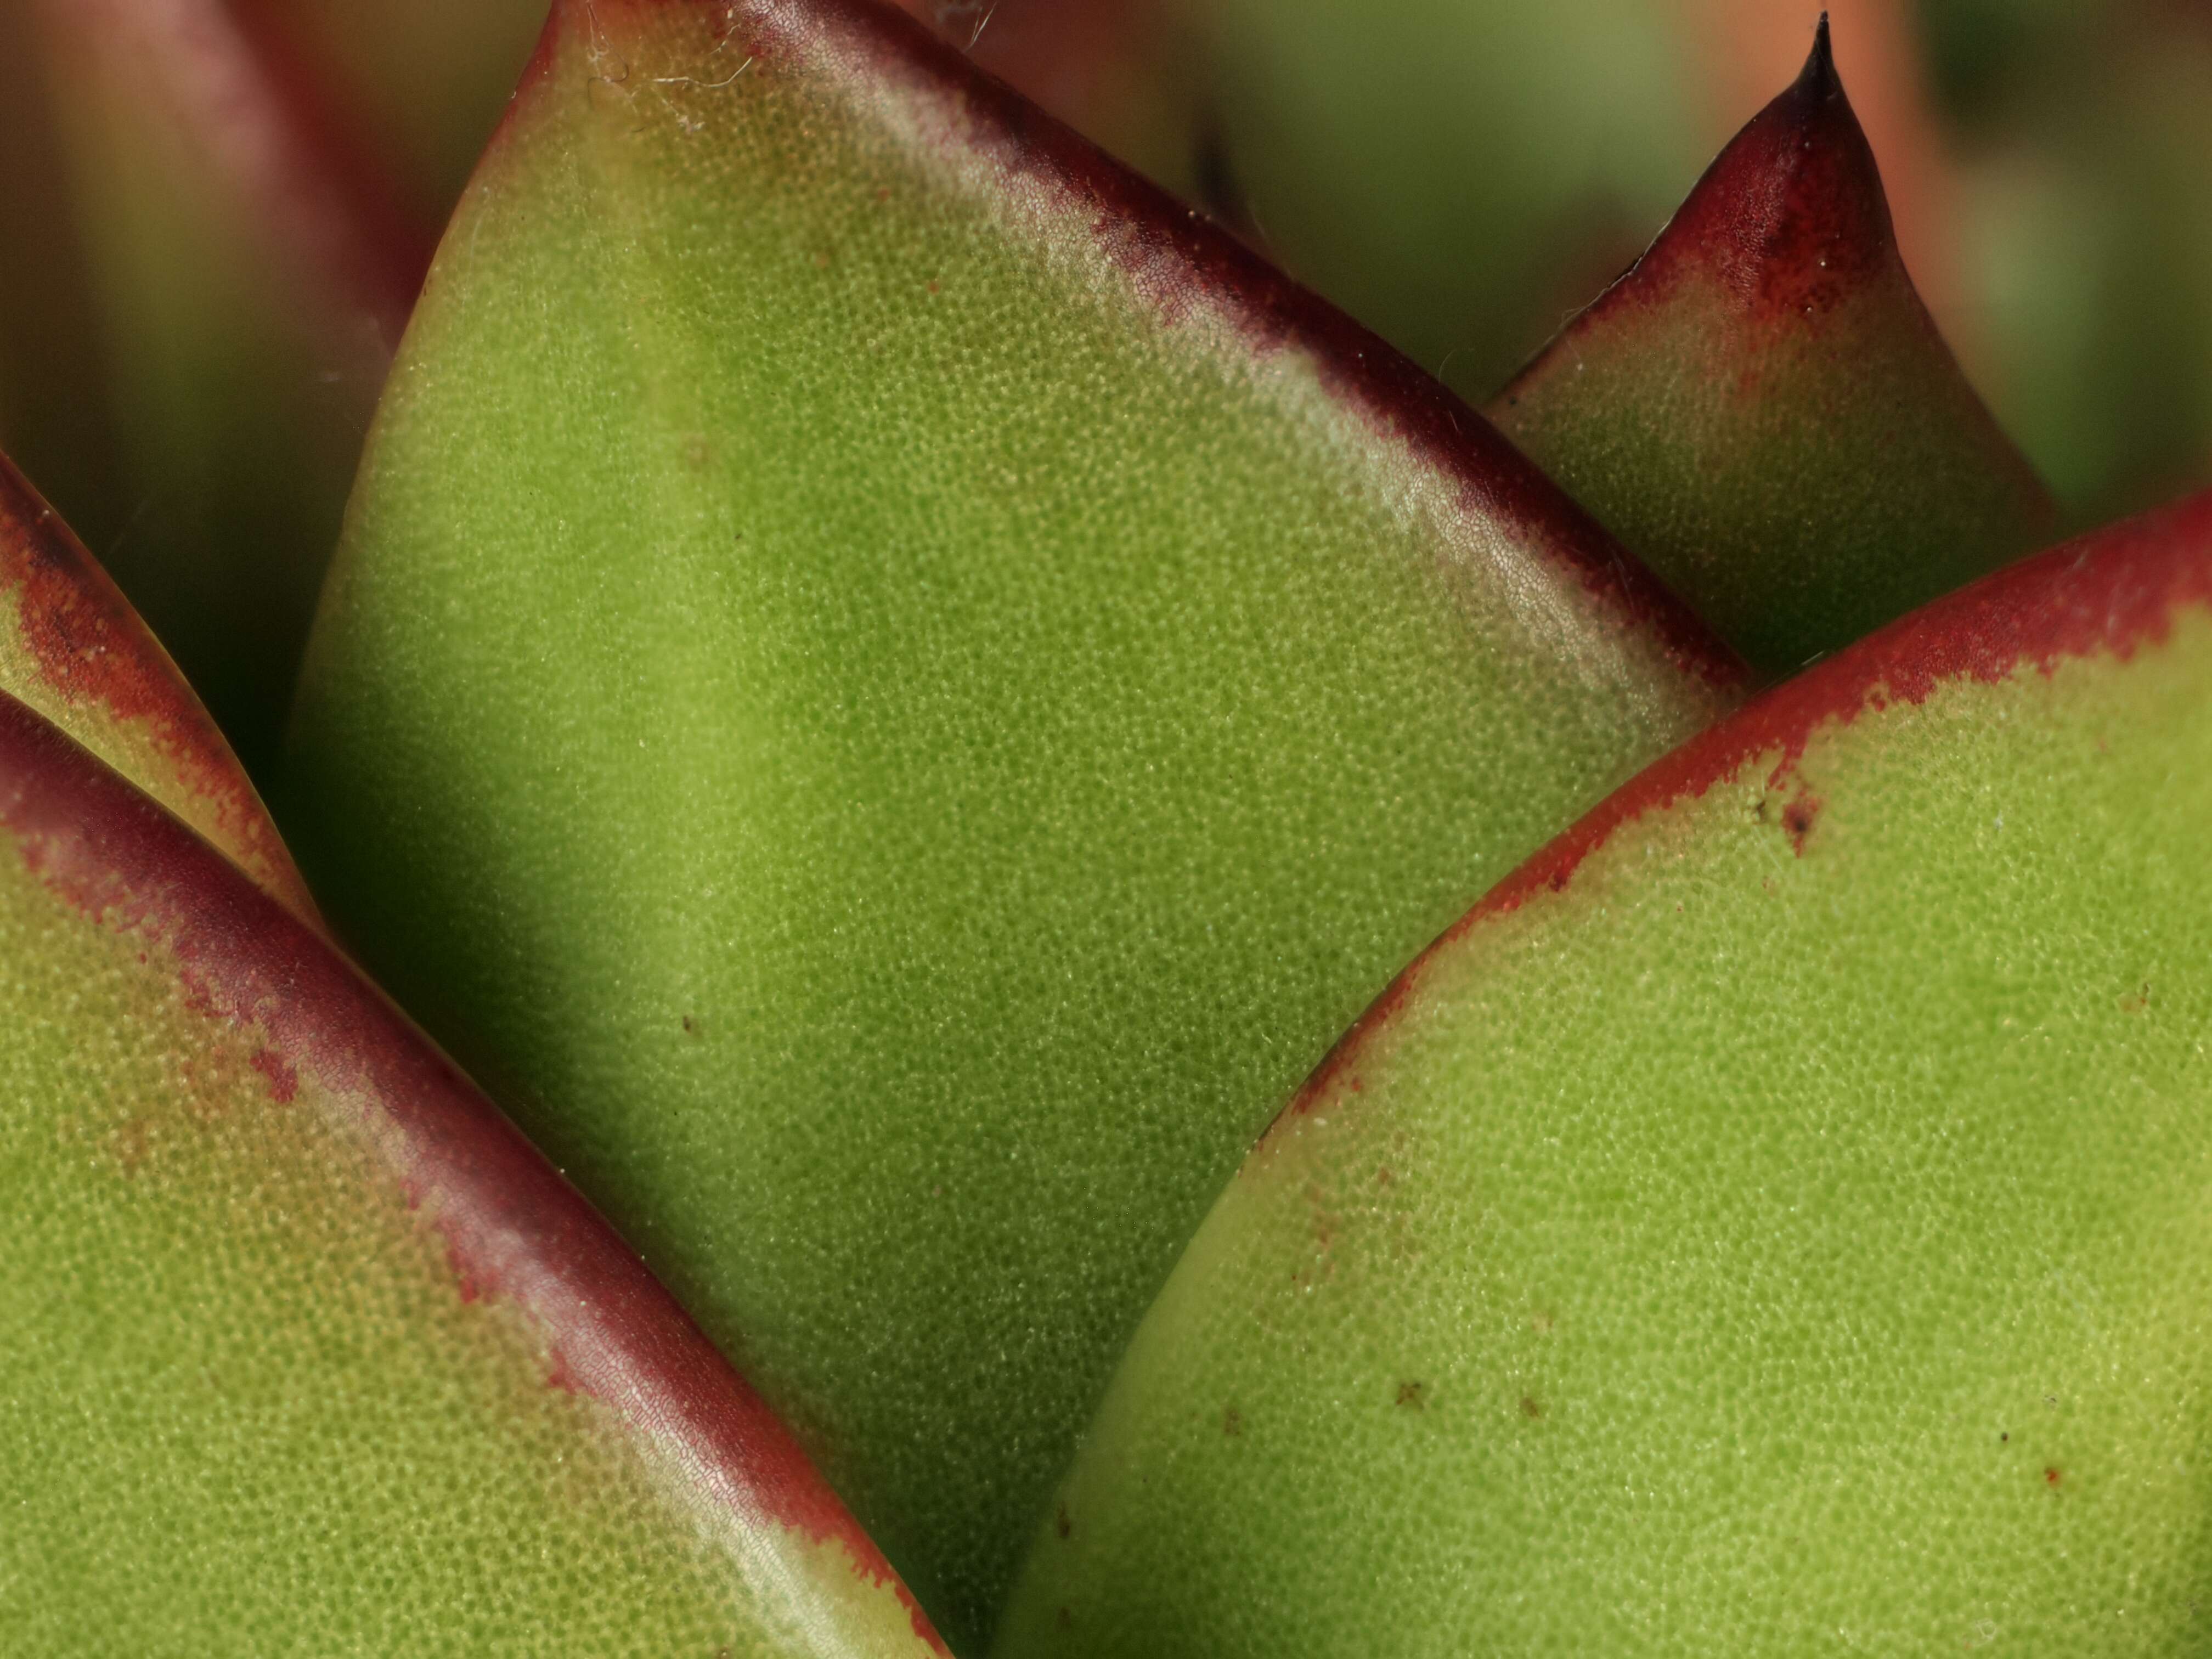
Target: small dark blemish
[[2052, 1477], [690, 1025], [1064, 1620], [1797, 820], [1410, 1395], [1530, 1406], [1232, 1422], [1061, 1523], [1383, 1177], [2004, 1439]]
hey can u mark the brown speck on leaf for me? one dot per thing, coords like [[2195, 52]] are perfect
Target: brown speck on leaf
[[691, 1025], [2052, 1477], [1383, 1177], [932, 286], [1798, 818], [1232, 1422], [1061, 1523], [1411, 1396], [1530, 1406], [1543, 1322], [822, 260], [1064, 1619]]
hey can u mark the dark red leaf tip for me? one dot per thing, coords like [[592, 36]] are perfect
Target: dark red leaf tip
[[1791, 217], [1819, 75]]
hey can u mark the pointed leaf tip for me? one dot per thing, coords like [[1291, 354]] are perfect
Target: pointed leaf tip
[[1819, 70], [1764, 409]]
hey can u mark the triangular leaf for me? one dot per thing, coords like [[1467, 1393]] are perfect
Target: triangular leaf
[[872, 654], [1764, 410]]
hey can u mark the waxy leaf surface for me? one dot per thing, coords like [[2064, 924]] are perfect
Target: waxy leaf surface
[[72, 649], [1775, 1220], [246, 275], [1763, 409], [303, 1348], [890, 691]]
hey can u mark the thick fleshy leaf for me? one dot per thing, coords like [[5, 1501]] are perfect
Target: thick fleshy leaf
[[1763, 407], [72, 649], [248, 279], [892, 691], [1776, 1219], [305, 1350]]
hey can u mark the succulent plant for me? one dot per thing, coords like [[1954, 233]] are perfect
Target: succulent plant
[[890, 691]]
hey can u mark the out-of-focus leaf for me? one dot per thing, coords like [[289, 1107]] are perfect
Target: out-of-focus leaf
[[2091, 235], [425, 80], [891, 690], [1777, 1216], [73, 650], [1764, 409], [1458, 174], [248, 276], [304, 1349]]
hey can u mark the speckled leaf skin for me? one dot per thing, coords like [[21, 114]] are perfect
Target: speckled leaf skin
[[1764, 410], [72, 649], [304, 1349], [1776, 1221], [245, 276], [890, 692]]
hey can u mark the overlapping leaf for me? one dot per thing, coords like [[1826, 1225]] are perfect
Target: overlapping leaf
[[1775, 1218], [892, 691], [303, 1348]]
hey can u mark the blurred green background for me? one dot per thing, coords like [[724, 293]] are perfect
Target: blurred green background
[[192, 390]]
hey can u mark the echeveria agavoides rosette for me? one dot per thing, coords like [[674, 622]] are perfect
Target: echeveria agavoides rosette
[[1775, 1218], [1764, 410], [305, 1349], [891, 690]]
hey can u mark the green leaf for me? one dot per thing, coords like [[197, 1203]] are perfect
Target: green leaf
[[304, 1349], [890, 691], [245, 276], [72, 649], [1776, 1216], [1762, 407]]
